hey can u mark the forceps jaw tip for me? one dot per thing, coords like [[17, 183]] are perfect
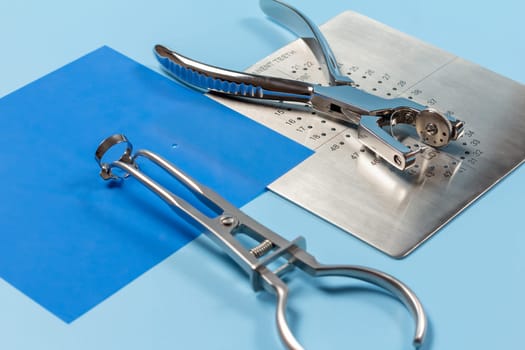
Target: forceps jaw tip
[[108, 143]]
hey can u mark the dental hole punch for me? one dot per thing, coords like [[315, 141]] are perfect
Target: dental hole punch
[[341, 100], [230, 221]]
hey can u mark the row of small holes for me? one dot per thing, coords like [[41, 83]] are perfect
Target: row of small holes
[[379, 82], [305, 68]]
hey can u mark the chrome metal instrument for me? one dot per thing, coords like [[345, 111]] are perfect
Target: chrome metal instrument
[[341, 101], [391, 210], [228, 223]]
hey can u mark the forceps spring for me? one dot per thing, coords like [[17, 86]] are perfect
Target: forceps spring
[[230, 221]]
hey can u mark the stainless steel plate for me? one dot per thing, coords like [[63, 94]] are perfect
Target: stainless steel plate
[[345, 184]]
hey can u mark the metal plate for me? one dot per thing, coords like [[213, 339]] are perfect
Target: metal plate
[[345, 184]]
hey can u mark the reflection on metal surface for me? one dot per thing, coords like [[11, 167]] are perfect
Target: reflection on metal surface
[[345, 184], [227, 225], [340, 100]]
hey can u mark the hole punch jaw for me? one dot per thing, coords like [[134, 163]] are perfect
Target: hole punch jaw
[[375, 138], [434, 128]]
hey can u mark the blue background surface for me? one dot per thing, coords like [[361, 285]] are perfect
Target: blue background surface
[[470, 276], [68, 241]]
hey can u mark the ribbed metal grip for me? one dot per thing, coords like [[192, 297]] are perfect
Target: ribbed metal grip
[[206, 77]]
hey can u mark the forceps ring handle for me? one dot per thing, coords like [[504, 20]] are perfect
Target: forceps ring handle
[[375, 277]]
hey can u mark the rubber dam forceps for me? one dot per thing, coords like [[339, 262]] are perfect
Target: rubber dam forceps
[[341, 101], [269, 248]]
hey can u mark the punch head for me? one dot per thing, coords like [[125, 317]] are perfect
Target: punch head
[[434, 128], [101, 153]]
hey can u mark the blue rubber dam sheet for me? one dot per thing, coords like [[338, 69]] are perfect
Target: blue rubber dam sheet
[[69, 240]]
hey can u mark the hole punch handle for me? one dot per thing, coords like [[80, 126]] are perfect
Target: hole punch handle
[[301, 25], [229, 82]]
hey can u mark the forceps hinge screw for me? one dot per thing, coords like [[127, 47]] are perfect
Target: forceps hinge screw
[[227, 220]]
